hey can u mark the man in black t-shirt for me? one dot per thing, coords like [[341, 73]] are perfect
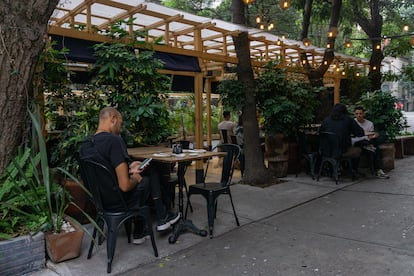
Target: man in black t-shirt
[[108, 148]]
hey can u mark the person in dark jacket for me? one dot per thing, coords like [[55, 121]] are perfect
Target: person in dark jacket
[[345, 127]]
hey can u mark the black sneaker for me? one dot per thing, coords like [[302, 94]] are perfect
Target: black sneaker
[[170, 219]]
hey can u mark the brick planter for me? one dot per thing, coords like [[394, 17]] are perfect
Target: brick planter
[[22, 255]]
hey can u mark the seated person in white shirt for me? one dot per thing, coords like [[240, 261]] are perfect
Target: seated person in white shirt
[[227, 125], [370, 141]]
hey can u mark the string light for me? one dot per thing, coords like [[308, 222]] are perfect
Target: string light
[[307, 42], [406, 28], [357, 74], [348, 44], [284, 4], [378, 47], [264, 23]]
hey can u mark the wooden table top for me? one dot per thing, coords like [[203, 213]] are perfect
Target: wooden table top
[[164, 154]]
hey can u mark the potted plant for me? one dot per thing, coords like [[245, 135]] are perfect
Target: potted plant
[[32, 201], [285, 105], [388, 120]]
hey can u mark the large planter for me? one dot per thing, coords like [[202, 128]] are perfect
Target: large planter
[[64, 246], [387, 156], [277, 154], [22, 255], [81, 199]]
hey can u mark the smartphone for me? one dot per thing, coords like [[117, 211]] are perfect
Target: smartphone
[[144, 164]]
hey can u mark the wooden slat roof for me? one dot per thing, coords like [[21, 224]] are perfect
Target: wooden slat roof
[[185, 33]]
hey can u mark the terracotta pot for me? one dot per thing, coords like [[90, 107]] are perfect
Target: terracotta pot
[[64, 246]]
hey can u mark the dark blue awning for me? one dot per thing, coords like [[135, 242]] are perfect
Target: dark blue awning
[[82, 51]]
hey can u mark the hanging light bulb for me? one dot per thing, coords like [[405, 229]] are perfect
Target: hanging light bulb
[[374, 68], [357, 74], [278, 42], [284, 4], [328, 45], [307, 42], [261, 26], [283, 37], [348, 44], [406, 28], [270, 26], [378, 47], [248, 2], [333, 32], [258, 19]]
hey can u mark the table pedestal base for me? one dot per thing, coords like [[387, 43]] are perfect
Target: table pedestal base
[[184, 226]]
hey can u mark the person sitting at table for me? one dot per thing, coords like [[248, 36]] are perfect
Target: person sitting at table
[[344, 126], [226, 125], [108, 148], [370, 141]]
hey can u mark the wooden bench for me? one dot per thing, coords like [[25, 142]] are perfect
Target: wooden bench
[[404, 145]]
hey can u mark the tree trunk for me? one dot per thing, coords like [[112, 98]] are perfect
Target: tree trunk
[[373, 28], [315, 75], [23, 26], [255, 171]]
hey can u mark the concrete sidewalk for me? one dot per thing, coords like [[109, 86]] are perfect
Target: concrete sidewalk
[[299, 227]]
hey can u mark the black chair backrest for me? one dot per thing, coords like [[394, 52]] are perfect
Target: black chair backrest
[[103, 185], [329, 145], [224, 136], [184, 144], [233, 152], [233, 139]]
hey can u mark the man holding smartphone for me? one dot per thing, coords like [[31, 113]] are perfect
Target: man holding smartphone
[[108, 148]]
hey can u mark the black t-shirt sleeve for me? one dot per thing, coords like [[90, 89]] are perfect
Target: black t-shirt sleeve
[[117, 151]]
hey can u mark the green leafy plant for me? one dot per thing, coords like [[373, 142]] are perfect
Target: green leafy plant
[[30, 198], [285, 104], [381, 109]]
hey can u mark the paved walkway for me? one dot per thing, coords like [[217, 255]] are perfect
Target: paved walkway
[[299, 227]]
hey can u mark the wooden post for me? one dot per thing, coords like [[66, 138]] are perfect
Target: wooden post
[[199, 141], [208, 112], [337, 91]]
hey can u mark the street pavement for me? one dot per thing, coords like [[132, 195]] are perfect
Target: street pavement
[[299, 227]]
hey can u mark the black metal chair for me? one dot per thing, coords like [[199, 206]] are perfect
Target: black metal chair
[[330, 151], [103, 185], [211, 191], [224, 136]]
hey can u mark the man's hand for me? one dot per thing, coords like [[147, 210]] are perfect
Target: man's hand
[[134, 172], [372, 135], [133, 167]]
